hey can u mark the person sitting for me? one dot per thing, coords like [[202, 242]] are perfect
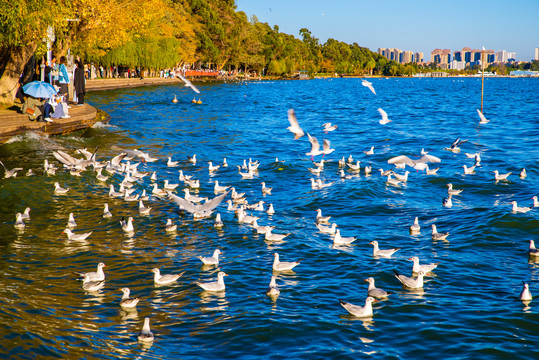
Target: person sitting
[[33, 107]]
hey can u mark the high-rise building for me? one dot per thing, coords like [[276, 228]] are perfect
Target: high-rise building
[[396, 55], [441, 57], [502, 56], [407, 57], [418, 57]]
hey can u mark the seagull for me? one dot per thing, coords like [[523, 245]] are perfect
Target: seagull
[[382, 253], [526, 295], [320, 218], [451, 191], [339, 240], [410, 282], [106, 212], [167, 186], [354, 167], [438, 236], [419, 164], [523, 174], [143, 210], [26, 214], [71, 221], [158, 192], [269, 236], [198, 210], [10, 173], [482, 117], [426, 268], [146, 334], [213, 168], [446, 202], [326, 148], [359, 311], [127, 226], [193, 159], [270, 211], [327, 229], [328, 127], [261, 229], [283, 266], [315, 147], [153, 177], [126, 302], [294, 125], [100, 176], [19, 223], [171, 163], [535, 201], [218, 222], [93, 285], [468, 170], [402, 178], [369, 85], [98, 275], [188, 83], [225, 164], [533, 250], [519, 209], [273, 290], [431, 171], [164, 279], [211, 260], [455, 145], [374, 291], [415, 228], [370, 151], [72, 236], [384, 119], [266, 190], [218, 188], [499, 176], [59, 190], [218, 285]]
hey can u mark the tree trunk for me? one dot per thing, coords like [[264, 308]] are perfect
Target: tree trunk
[[13, 60]]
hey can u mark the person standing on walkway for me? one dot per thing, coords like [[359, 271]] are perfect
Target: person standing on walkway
[[79, 81], [63, 79]]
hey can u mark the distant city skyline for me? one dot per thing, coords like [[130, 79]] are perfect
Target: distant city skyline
[[417, 26]]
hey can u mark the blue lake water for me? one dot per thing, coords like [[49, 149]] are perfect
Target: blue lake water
[[468, 309]]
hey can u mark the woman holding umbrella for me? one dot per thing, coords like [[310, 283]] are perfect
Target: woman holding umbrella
[[34, 105]]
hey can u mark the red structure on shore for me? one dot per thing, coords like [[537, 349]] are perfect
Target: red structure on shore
[[201, 73]]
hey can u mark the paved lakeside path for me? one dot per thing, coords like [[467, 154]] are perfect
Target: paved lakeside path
[[13, 123]]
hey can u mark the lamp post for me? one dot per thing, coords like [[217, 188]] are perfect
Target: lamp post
[[482, 75]]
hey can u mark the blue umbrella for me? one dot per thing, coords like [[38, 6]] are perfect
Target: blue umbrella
[[39, 89]]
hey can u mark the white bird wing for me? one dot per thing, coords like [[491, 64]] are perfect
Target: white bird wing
[[188, 83], [429, 158], [196, 208], [64, 158], [369, 85], [482, 117], [327, 145], [294, 125], [383, 113], [401, 159], [117, 159], [315, 145]]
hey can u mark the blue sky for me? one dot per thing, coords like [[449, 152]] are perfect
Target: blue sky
[[416, 25]]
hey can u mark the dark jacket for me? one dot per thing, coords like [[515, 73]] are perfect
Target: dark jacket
[[79, 81]]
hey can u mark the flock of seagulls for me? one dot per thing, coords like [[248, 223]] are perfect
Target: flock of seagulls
[[205, 208]]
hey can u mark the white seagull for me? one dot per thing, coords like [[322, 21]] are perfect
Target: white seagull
[[106, 211], [294, 125], [273, 290], [499, 176], [359, 311], [386, 253], [98, 275], [384, 119], [436, 235], [315, 147], [339, 240], [189, 84], [374, 291], [482, 117], [519, 209], [211, 260], [328, 127], [170, 227], [145, 334], [10, 173], [368, 84], [285, 265], [164, 279], [72, 236], [59, 190], [71, 221], [415, 228], [143, 210], [526, 295], [26, 214], [127, 226], [19, 223], [425, 267], [218, 285], [411, 282], [126, 302], [533, 250]]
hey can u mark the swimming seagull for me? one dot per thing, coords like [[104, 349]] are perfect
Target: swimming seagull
[[98, 275], [71, 221], [218, 222], [193, 159], [269, 236], [294, 125], [468, 170], [368, 84], [127, 226], [189, 84], [533, 250], [213, 168], [482, 117], [26, 214], [218, 285], [410, 282], [211, 260], [59, 190], [431, 171], [10, 173], [320, 218], [72, 236], [93, 285], [382, 253], [171, 163], [170, 227], [327, 229], [374, 291], [446, 202], [164, 279], [526, 295], [143, 210], [106, 211], [266, 190], [535, 201], [339, 240], [523, 174], [273, 290], [370, 151], [126, 302], [19, 223], [384, 119], [519, 209], [285, 265], [499, 176], [425, 267], [451, 191], [146, 334], [270, 211], [168, 186], [436, 235], [415, 228], [359, 311]]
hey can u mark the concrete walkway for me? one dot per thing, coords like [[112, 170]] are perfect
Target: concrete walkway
[[14, 123]]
